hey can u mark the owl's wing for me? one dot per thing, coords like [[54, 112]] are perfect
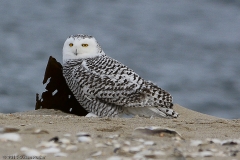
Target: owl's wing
[[112, 82]]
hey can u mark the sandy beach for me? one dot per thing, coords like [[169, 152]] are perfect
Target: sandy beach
[[199, 136]]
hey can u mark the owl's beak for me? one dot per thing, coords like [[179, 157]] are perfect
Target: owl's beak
[[76, 52]]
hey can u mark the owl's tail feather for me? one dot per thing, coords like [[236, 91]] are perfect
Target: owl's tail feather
[[149, 112]]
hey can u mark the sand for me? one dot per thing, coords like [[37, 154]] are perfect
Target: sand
[[190, 125]]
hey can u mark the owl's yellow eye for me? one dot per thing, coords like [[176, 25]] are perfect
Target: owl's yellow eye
[[70, 44], [84, 45]]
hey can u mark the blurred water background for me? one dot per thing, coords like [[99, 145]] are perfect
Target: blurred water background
[[189, 48]]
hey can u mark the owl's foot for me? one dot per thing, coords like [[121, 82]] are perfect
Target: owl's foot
[[91, 115]]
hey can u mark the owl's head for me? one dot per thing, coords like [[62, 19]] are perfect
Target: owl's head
[[81, 46]]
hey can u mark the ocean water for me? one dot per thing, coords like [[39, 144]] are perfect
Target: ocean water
[[189, 48]]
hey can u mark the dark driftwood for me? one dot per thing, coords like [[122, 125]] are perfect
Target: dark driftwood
[[63, 99]]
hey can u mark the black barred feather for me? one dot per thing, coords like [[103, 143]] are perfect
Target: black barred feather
[[106, 87]]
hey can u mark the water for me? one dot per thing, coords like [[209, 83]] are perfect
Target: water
[[189, 48]]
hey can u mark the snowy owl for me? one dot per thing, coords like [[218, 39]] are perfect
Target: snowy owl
[[106, 87]]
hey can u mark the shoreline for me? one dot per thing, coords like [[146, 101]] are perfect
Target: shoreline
[[202, 136]]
